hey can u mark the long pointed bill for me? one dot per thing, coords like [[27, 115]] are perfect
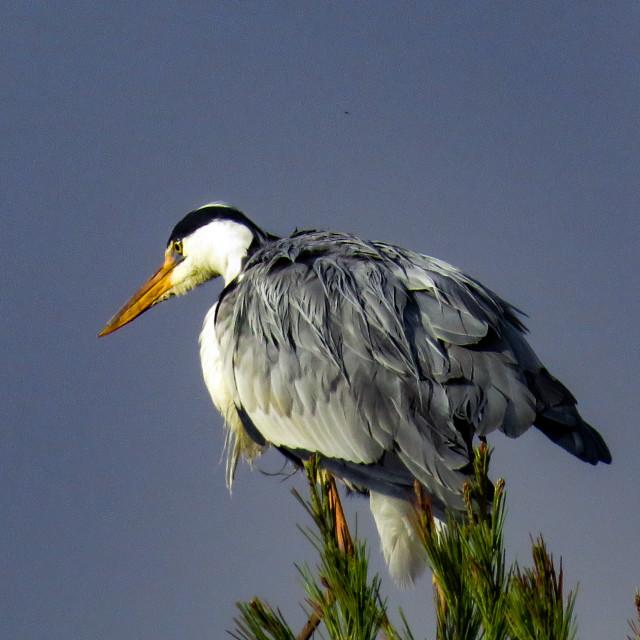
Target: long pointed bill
[[150, 293]]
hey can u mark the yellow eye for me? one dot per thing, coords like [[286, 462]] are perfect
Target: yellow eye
[[177, 246]]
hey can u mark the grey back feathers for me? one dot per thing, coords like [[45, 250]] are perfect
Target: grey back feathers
[[386, 362]]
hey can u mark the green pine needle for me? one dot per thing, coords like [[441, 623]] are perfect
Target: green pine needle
[[477, 596], [260, 622], [635, 625], [537, 608]]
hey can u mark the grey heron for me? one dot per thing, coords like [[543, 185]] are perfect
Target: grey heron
[[385, 362]]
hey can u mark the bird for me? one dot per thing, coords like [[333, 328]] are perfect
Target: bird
[[386, 364]]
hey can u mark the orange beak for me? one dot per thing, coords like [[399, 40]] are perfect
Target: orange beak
[[149, 294]]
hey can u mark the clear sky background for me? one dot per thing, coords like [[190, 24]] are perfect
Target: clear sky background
[[501, 137]]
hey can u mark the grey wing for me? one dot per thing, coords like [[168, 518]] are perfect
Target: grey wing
[[492, 377], [369, 360], [385, 362], [485, 355], [276, 337]]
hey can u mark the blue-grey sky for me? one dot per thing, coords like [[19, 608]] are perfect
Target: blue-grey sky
[[501, 137]]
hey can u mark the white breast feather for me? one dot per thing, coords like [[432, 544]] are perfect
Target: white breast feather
[[237, 442]]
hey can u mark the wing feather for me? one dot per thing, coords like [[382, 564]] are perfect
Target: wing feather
[[372, 356]]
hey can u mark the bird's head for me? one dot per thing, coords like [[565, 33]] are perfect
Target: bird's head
[[211, 241]]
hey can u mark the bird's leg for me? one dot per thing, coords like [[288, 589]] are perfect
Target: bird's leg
[[343, 536]]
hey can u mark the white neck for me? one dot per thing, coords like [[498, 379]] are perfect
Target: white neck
[[217, 249], [223, 244], [231, 246]]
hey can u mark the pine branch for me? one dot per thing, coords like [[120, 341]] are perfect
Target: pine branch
[[537, 608], [635, 625], [476, 595], [340, 594], [260, 622], [484, 559], [467, 559], [351, 606]]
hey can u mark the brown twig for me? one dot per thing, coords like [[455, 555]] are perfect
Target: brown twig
[[315, 618]]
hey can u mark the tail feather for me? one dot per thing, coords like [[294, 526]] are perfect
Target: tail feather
[[559, 420], [579, 438]]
